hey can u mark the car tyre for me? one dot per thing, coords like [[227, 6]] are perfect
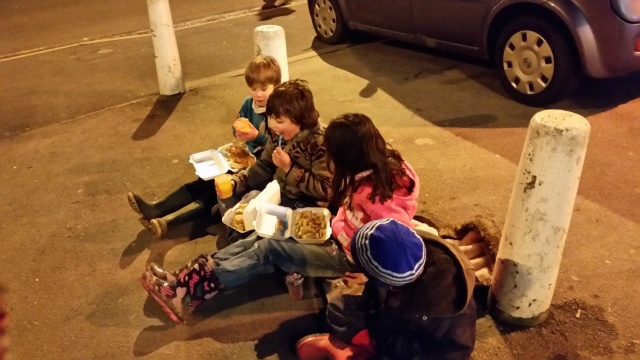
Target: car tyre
[[536, 63], [328, 21]]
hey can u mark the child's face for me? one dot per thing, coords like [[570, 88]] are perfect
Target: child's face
[[260, 93], [283, 125]]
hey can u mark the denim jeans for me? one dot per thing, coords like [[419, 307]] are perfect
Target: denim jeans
[[243, 260]]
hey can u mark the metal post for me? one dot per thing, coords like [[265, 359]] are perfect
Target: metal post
[[538, 217], [270, 40], [165, 47]]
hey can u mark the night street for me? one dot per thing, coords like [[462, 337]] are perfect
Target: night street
[[83, 124]]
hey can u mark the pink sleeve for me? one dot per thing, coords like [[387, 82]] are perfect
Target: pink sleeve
[[338, 224]]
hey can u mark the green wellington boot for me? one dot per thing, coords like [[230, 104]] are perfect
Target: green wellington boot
[[151, 210], [160, 225]]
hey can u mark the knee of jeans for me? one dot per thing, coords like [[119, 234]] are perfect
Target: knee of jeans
[[274, 249], [267, 245]]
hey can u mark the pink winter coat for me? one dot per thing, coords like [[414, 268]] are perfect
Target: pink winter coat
[[401, 207]]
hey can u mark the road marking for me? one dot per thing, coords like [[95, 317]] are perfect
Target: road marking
[[142, 33]]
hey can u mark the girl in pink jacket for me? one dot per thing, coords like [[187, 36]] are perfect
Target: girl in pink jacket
[[371, 181]]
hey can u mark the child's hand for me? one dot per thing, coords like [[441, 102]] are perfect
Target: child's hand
[[281, 159], [245, 130], [354, 279]]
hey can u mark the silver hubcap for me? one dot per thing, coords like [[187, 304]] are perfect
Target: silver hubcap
[[528, 62], [324, 16]]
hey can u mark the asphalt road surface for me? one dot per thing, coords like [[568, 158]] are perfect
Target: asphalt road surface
[[62, 62]]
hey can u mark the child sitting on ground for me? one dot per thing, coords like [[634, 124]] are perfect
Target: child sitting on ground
[[417, 301], [198, 197], [371, 181], [294, 155], [262, 76]]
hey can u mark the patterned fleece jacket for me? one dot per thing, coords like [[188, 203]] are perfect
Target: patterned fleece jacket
[[359, 210], [309, 175]]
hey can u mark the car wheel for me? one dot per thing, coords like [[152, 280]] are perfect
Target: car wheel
[[537, 64], [327, 21]]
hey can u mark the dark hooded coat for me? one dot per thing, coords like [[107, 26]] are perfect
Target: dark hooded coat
[[432, 318]]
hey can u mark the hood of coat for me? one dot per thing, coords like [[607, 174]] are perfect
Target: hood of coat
[[444, 288]]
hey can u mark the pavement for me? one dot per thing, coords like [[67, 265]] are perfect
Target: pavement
[[72, 249]]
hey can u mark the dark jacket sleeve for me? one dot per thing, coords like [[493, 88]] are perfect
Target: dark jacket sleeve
[[315, 180], [259, 173], [262, 138]]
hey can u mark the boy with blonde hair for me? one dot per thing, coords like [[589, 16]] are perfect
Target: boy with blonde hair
[[198, 197]]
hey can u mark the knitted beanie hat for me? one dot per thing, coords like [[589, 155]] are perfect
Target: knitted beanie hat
[[389, 251]]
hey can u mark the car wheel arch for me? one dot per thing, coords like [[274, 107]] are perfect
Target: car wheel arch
[[501, 17], [536, 62], [340, 28]]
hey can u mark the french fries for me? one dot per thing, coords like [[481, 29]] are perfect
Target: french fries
[[238, 217], [310, 225]]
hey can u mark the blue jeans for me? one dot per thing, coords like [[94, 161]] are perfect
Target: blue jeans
[[243, 260]]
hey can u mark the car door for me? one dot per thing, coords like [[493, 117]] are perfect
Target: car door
[[394, 15], [456, 21]]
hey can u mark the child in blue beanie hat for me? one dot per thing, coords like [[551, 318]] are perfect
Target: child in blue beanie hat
[[417, 302]]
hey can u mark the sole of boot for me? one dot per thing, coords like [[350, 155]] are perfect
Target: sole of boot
[[320, 355], [162, 274], [151, 291], [134, 205], [308, 338], [157, 229], [144, 222]]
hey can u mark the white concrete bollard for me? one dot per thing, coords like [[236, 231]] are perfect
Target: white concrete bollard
[[165, 47], [538, 217], [269, 40]]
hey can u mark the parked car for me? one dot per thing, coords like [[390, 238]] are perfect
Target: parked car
[[540, 48]]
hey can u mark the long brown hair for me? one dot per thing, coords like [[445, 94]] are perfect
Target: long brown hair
[[354, 145]]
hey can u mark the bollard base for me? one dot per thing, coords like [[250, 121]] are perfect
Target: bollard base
[[503, 317]]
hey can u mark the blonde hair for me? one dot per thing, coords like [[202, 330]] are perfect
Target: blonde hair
[[263, 70]]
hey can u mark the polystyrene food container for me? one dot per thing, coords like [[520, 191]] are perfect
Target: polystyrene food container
[[209, 164], [267, 221], [270, 195], [248, 219], [318, 210]]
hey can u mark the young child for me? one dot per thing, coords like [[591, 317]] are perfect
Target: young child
[[294, 156], [194, 199], [417, 303], [262, 76], [371, 179]]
